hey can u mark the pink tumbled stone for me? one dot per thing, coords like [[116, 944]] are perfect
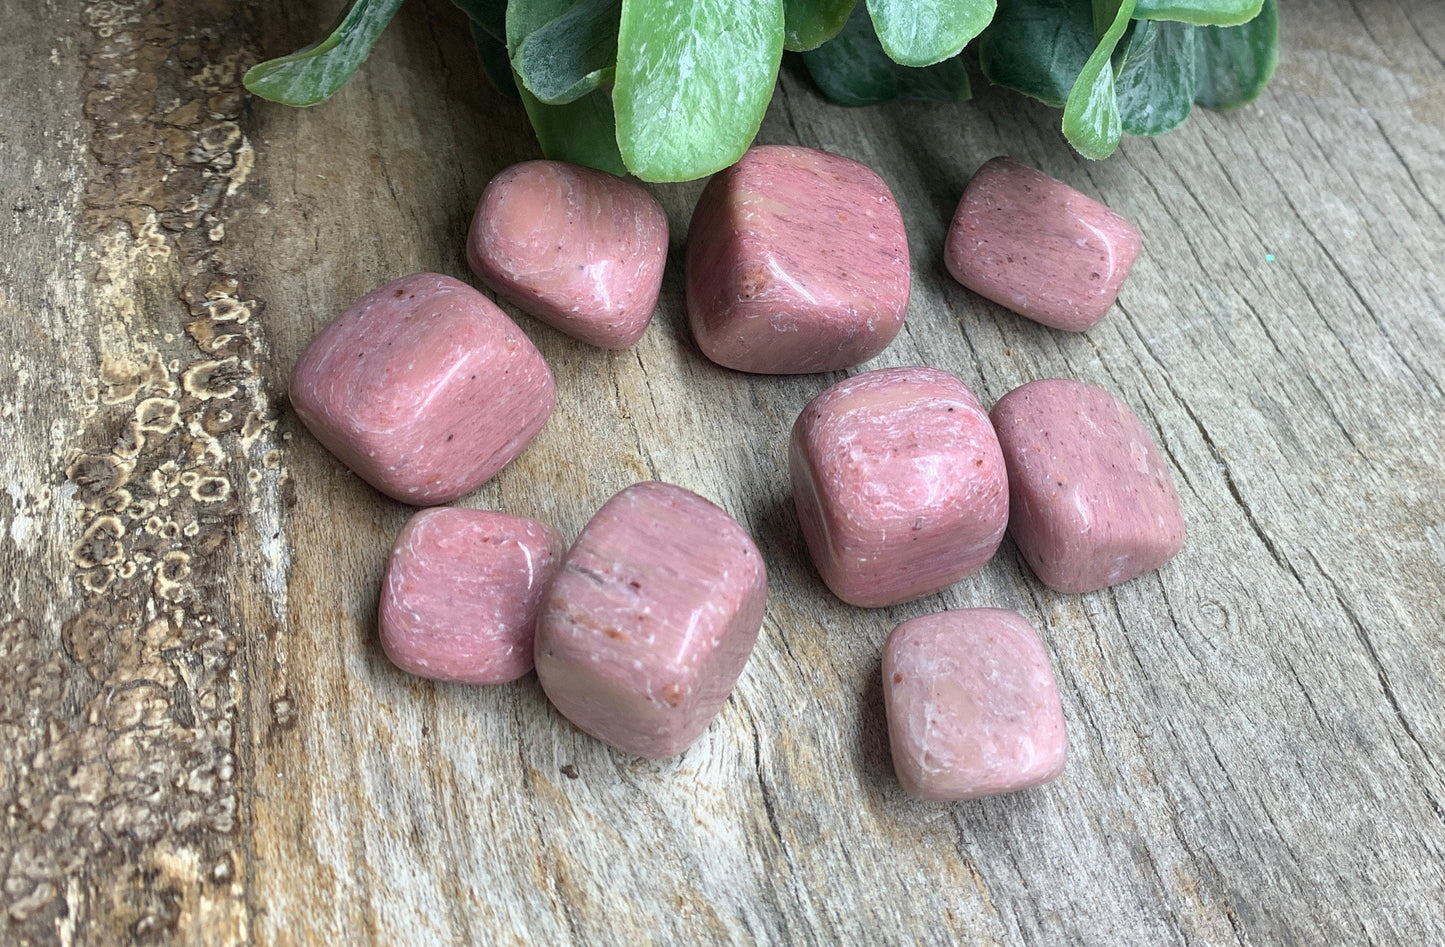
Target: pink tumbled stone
[[424, 388], [796, 262], [1035, 245], [1093, 502], [973, 709], [651, 620], [582, 250], [899, 484], [459, 601]]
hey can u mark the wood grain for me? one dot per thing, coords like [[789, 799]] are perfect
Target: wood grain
[[201, 742]]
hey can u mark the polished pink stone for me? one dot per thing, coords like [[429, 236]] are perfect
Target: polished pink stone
[[651, 620], [1093, 502], [424, 388], [1037, 246], [582, 250], [972, 706], [899, 484], [796, 262], [459, 601]]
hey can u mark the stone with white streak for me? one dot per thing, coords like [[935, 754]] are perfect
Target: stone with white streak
[[796, 262], [459, 601], [651, 619], [1093, 503], [1035, 245], [580, 249], [973, 708], [424, 388], [899, 484]]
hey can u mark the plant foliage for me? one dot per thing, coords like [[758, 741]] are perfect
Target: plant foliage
[[671, 90]]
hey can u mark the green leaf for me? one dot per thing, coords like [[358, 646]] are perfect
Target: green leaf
[[923, 32], [1050, 50], [1233, 63], [573, 54], [1199, 12], [525, 17], [310, 76], [808, 24], [853, 69], [1038, 47], [583, 131], [1105, 12], [490, 15], [1091, 114], [580, 132], [1155, 87], [694, 78], [492, 53]]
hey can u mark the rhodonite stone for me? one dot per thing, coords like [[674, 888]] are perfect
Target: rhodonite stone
[[459, 601], [424, 388], [973, 709], [1093, 502], [796, 262], [899, 484], [1035, 245], [651, 619], [582, 250]]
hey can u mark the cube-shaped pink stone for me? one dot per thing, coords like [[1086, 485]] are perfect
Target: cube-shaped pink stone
[[424, 388], [973, 708], [1035, 245], [1093, 502], [796, 262], [462, 588], [651, 620], [582, 250], [899, 484]]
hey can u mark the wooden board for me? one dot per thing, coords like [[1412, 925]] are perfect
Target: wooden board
[[201, 742]]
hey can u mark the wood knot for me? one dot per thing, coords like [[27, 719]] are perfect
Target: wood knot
[[213, 379], [100, 544]]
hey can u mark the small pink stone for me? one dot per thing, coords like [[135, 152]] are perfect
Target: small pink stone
[[424, 388], [796, 262], [582, 250], [1093, 502], [651, 620], [899, 484], [972, 706], [459, 601], [1037, 246]]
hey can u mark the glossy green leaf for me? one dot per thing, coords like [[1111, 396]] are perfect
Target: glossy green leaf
[[1047, 49], [1038, 47], [580, 132], [490, 15], [583, 131], [311, 75], [573, 54], [525, 17], [923, 32], [693, 81], [492, 53], [808, 24], [1104, 13], [1155, 87], [1233, 63], [1091, 115], [853, 69], [1199, 12]]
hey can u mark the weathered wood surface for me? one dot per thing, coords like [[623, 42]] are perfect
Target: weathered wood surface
[[200, 741]]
